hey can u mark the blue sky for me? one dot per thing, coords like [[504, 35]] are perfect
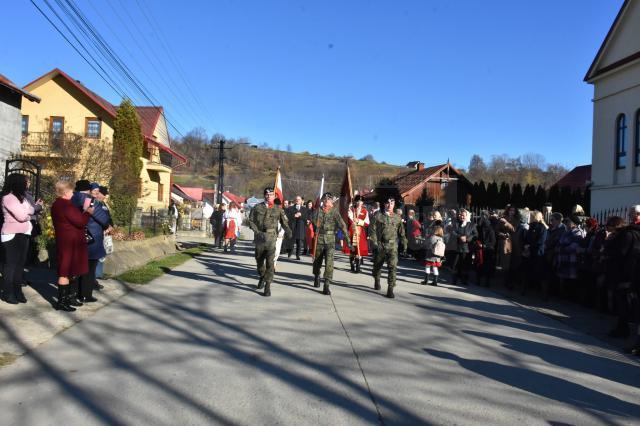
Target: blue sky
[[401, 80]]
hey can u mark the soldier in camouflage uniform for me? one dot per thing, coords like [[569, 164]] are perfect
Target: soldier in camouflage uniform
[[384, 232], [325, 221], [263, 220]]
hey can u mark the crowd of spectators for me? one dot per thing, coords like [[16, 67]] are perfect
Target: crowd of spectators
[[571, 257], [81, 220]]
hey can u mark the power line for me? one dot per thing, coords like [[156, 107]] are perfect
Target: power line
[[155, 61], [109, 80], [102, 46], [164, 43], [124, 69], [74, 47]]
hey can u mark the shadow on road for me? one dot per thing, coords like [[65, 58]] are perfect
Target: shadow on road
[[544, 385]]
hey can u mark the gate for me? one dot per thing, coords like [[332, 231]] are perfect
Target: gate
[[30, 169]]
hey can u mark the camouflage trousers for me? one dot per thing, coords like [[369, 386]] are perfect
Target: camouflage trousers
[[265, 254], [391, 257], [324, 251]]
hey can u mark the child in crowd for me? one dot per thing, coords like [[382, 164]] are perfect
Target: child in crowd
[[435, 254]]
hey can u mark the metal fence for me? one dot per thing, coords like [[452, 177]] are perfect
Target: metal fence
[[603, 215]]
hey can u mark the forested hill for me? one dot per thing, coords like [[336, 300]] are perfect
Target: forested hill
[[249, 168]]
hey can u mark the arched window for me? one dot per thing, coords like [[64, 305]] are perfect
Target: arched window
[[621, 142], [637, 138]]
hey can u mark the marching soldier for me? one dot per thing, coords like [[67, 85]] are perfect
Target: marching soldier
[[263, 220], [385, 231], [326, 220]]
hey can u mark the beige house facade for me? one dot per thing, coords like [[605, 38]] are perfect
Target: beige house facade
[[615, 76], [71, 130]]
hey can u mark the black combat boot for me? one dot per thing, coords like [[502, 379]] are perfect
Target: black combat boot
[[426, 279], [63, 299], [390, 294], [316, 281], [260, 284], [357, 266], [267, 289], [376, 283], [353, 264], [434, 282], [17, 290], [325, 290]]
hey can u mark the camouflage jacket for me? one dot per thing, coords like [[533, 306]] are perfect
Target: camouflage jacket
[[385, 230], [327, 224], [263, 221]]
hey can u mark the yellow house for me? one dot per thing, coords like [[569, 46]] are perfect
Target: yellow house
[[71, 133]]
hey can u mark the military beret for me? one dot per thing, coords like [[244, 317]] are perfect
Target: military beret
[[268, 189], [327, 195]]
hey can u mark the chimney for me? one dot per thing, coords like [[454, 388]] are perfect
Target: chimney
[[420, 166]]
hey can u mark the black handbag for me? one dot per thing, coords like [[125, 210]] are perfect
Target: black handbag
[[88, 237]]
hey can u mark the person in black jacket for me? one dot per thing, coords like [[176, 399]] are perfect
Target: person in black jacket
[[297, 216], [485, 250], [465, 232], [623, 254], [533, 252]]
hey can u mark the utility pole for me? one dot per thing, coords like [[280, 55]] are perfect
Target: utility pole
[[220, 170], [220, 189], [221, 148]]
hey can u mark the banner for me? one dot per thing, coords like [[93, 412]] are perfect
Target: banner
[[277, 186]]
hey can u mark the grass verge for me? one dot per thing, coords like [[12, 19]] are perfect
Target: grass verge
[[158, 267], [7, 358]]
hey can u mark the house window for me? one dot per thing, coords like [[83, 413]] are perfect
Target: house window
[[25, 125], [637, 141], [621, 142], [56, 125], [92, 127]]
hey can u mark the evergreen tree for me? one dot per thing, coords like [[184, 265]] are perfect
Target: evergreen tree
[[481, 199], [517, 195], [492, 195], [554, 198], [504, 195], [127, 165], [541, 197], [529, 198], [566, 201], [474, 194]]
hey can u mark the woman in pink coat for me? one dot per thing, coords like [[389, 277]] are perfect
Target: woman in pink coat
[[15, 234]]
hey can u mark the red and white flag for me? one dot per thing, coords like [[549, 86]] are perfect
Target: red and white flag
[[318, 200], [277, 187]]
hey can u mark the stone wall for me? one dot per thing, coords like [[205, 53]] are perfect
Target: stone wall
[[132, 254]]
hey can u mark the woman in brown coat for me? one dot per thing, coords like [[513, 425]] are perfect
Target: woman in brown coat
[[71, 244]]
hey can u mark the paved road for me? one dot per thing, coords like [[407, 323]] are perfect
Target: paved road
[[200, 346]]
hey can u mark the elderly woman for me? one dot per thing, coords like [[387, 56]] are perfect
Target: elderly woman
[[465, 233], [533, 251], [16, 231], [567, 253], [71, 244]]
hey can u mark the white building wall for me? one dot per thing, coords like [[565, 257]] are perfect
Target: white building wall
[[618, 93]]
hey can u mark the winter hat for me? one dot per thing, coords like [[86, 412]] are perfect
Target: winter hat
[[94, 185], [83, 185]]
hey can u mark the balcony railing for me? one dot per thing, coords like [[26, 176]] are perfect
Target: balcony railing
[[50, 142]]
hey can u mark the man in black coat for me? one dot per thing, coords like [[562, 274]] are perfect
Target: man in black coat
[[297, 216]]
